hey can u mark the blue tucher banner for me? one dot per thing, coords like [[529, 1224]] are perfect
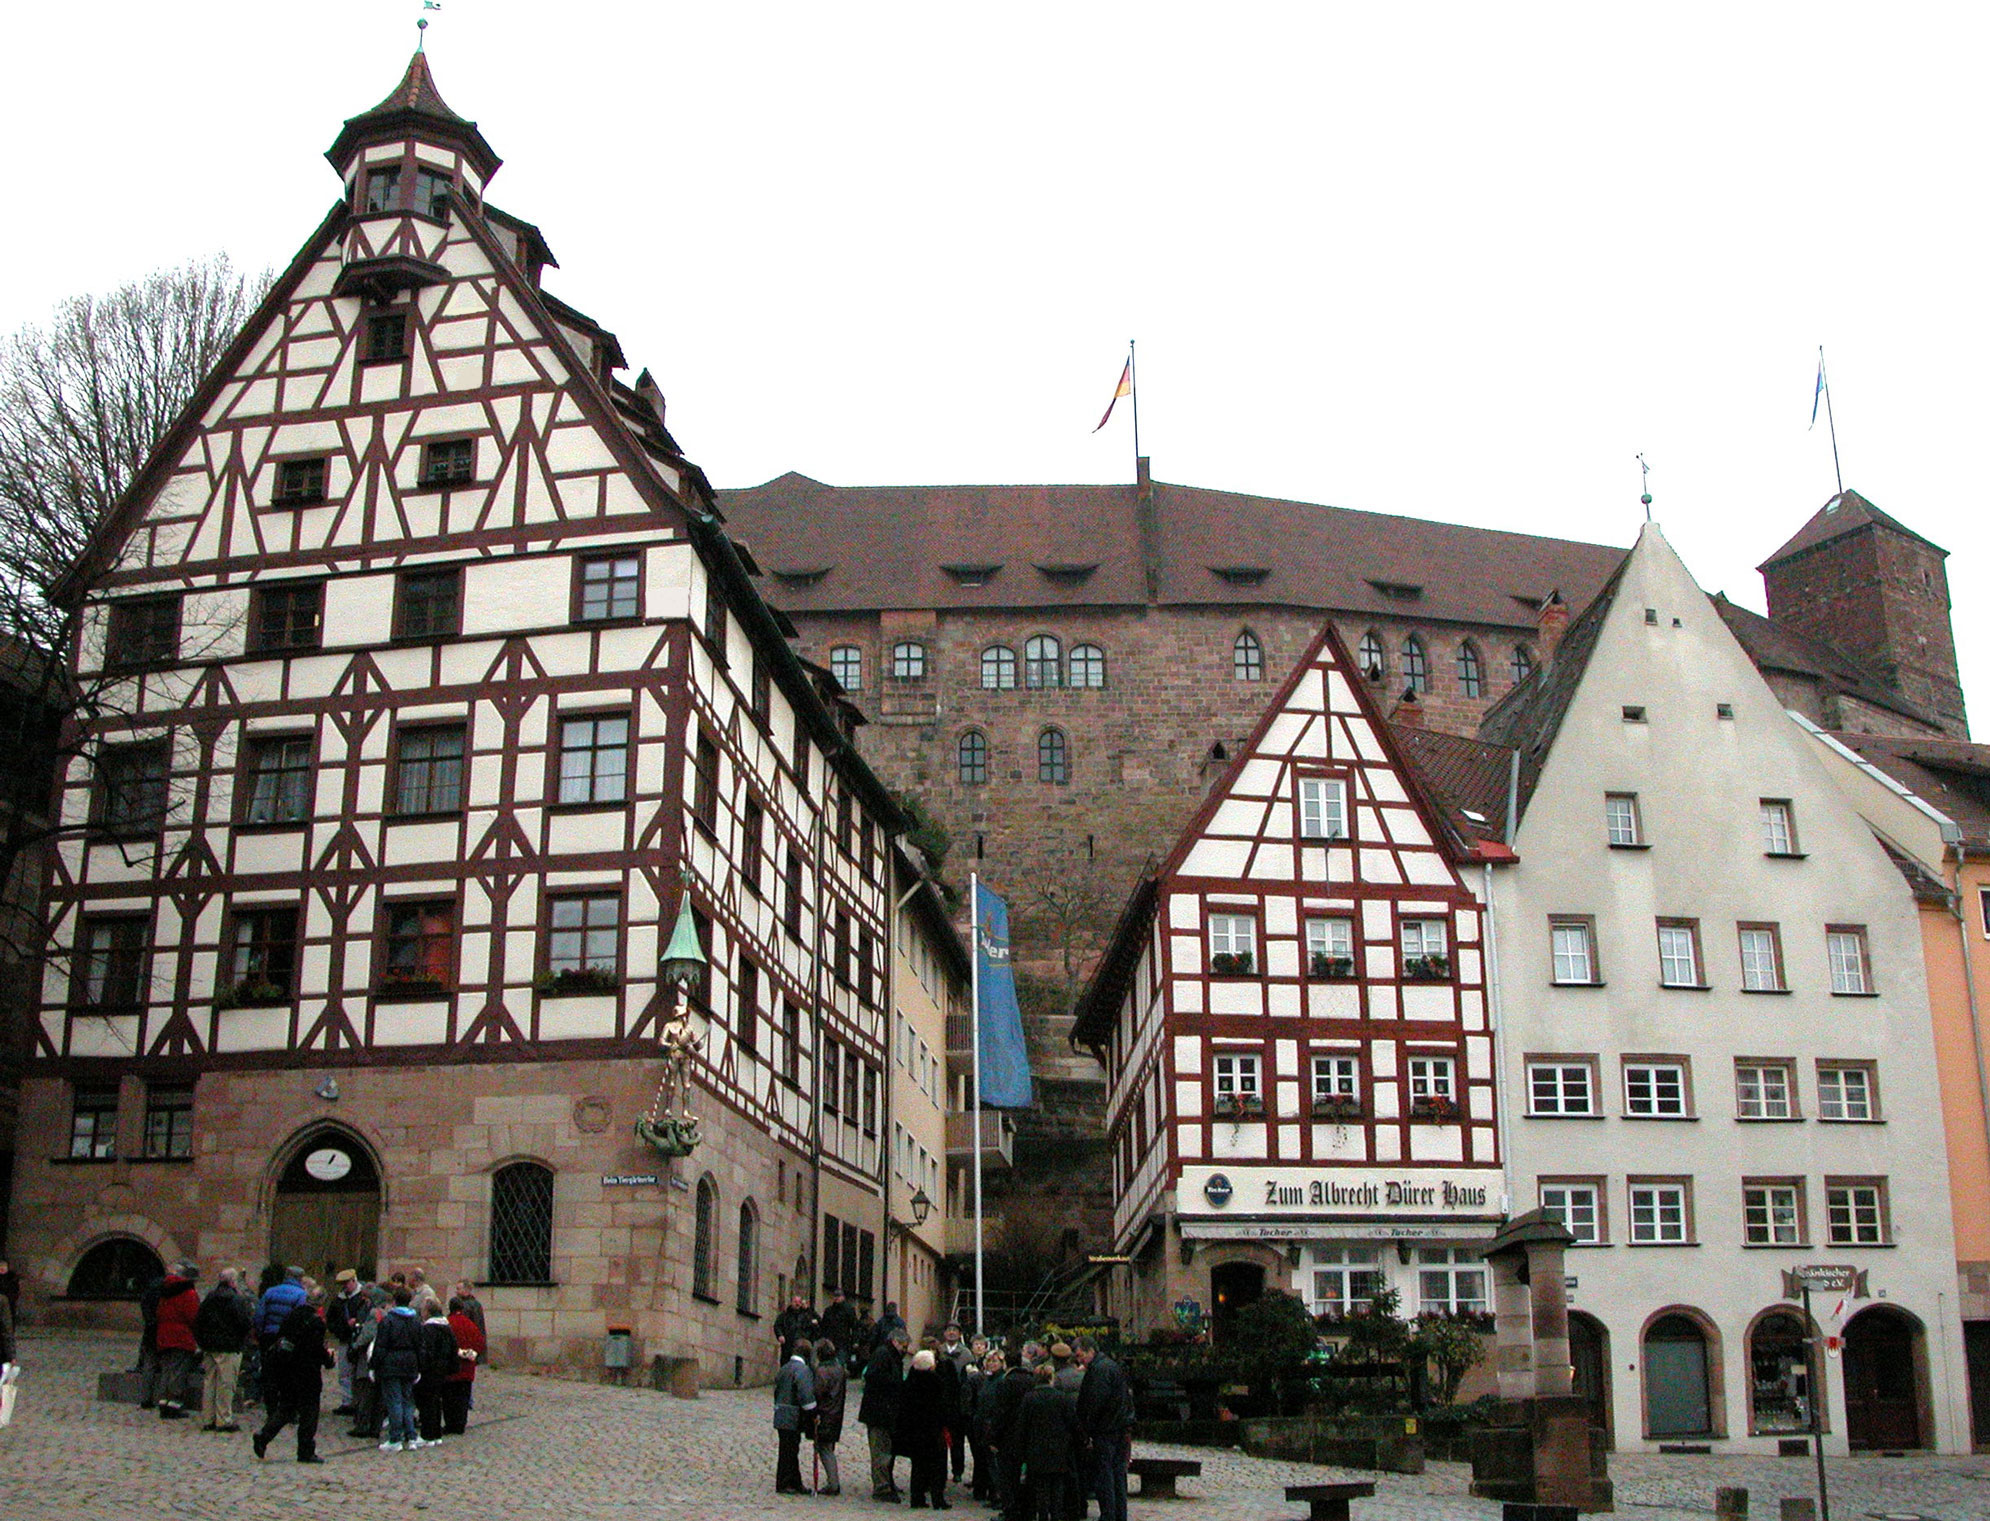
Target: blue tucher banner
[[1005, 1062]]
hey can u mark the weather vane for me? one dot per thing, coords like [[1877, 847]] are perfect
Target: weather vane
[[421, 23], [1646, 498]]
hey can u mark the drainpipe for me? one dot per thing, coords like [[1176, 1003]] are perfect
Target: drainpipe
[[1496, 1018], [884, 1078], [819, 830]]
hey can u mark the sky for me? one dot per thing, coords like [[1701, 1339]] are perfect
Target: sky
[[1449, 261]]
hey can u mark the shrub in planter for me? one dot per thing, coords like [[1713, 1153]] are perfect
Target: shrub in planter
[[1231, 963], [1434, 1109], [1325, 968], [251, 993], [1337, 1109], [1427, 968], [579, 979], [1232, 1106]]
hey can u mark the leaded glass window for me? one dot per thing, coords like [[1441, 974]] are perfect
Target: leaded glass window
[[522, 1224]]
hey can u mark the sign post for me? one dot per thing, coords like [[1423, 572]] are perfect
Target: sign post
[[1797, 1283]]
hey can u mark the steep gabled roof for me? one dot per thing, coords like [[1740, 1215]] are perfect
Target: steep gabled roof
[[1468, 778], [1847, 512], [1774, 647]]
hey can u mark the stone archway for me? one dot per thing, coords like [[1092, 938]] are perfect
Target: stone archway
[[1589, 1357], [1778, 1366], [1682, 1385], [325, 1204], [1887, 1404]]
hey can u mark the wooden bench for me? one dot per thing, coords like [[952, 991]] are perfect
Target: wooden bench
[[1157, 1475], [1329, 1501]]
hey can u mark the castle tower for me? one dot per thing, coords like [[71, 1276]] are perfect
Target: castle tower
[[1867, 584]]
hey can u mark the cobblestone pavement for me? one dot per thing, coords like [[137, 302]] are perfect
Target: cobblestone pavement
[[583, 1452]]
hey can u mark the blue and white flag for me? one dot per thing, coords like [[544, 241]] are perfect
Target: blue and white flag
[[1005, 1061], [1817, 395]]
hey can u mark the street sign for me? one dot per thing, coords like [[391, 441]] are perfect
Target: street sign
[[629, 1180], [1824, 1278]]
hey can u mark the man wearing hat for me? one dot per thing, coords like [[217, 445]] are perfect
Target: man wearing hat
[[342, 1317]]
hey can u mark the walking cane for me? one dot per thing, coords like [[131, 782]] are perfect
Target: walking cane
[[815, 1469]]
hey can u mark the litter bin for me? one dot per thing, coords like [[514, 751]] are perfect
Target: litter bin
[[620, 1349]]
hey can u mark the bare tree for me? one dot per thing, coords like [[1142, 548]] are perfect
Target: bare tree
[[1067, 913]]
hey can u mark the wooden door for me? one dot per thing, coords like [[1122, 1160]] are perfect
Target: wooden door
[[1881, 1411], [1676, 1403], [325, 1232], [1590, 1356]]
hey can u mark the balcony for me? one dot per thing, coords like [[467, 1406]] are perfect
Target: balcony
[[998, 1139]]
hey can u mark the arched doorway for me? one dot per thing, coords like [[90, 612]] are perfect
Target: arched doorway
[[1778, 1374], [1589, 1352], [118, 1268], [1882, 1398], [326, 1214], [1232, 1285], [1676, 1400]]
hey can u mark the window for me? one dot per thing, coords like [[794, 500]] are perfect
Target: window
[[1450, 1281], [1851, 967], [421, 947], [1621, 820], [1329, 948], [793, 916], [1855, 1211], [611, 587], [93, 1121], [1679, 953], [1247, 658], [715, 619], [279, 779], [386, 338], [584, 936], [1432, 1089], [383, 189], [432, 193], [521, 1224], [1561, 1088], [1845, 1092], [169, 1120], [1043, 662], [262, 958], [1523, 663], [428, 604], [142, 631], [1764, 1091], [110, 963], [998, 669], [594, 759], [705, 782], [1772, 1212], [1345, 1279], [746, 1016], [132, 783], [449, 462], [1088, 666], [704, 1242], [908, 661], [1659, 1215], [299, 482], [1336, 1084], [1573, 942], [1779, 829], [1373, 662], [1237, 1082], [1761, 958], [1322, 808], [1655, 1090], [973, 758], [1633, 713], [1471, 674], [1416, 665], [747, 1294], [1232, 944], [1425, 957], [1578, 1206], [846, 664], [752, 844], [286, 617], [1053, 757], [791, 1046], [428, 770]]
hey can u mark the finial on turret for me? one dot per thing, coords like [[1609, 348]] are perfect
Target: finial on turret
[[1646, 498]]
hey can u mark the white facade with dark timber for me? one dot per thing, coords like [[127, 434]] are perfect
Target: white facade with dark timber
[[440, 686], [1294, 1024]]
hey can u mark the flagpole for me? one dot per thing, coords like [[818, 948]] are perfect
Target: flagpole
[[1133, 388], [1823, 378], [974, 1033]]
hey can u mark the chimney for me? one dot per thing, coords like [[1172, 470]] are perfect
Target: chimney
[[1554, 622], [1143, 478], [1409, 712]]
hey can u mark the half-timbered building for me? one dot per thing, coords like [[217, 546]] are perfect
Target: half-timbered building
[[1293, 1018], [445, 693]]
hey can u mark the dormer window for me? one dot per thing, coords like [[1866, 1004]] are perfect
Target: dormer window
[[432, 191], [383, 188], [386, 337], [300, 482]]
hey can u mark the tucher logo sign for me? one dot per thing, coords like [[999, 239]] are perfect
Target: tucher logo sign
[[1216, 1189]]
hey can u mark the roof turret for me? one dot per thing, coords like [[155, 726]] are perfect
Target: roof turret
[[413, 106]]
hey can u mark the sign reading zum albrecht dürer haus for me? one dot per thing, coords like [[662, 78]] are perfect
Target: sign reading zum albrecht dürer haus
[[1300, 1203]]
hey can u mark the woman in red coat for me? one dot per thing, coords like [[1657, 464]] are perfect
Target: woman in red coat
[[456, 1389], [179, 1353]]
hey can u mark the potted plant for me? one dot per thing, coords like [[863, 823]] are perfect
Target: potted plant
[[1236, 1105], [1339, 1107], [1231, 963], [1432, 968], [579, 979], [408, 984], [1325, 968], [251, 993], [1433, 1108]]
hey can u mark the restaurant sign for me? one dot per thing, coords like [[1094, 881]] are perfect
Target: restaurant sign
[[1342, 1192]]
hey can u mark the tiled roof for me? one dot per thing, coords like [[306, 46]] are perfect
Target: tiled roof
[[1952, 775], [1467, 778], [1775, 648], [1924, 884], [884, 547], [416, 92], [414, 99], [1844, 513]]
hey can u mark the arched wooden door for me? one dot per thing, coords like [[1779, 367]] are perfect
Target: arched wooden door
[[326, 1214], [1882, 1411]]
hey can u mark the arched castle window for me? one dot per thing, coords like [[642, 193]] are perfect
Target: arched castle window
[[1247, 658], [115, 1269], [1053, 757], [1416, 665], [1471, 672], [1374, 664], [521, 1224], [908, 660], [998, 668], [1523, 663], [846, 664], [973, 758], [1043, 662], [749, 1259], [1088, 666], [705, 1241]]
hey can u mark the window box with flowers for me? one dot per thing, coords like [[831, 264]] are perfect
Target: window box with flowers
[[1340, 1109], [577, 980], [1324, 968], [1439, 1110], [251, 993], [1237, 1106], [411, 985], [1232, 963], [1434, 968]]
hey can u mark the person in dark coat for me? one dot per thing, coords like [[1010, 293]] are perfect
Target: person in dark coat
[[832, 1386], [343, 1314], [435, 1343], [980, 1405], [148, 1342], [1045, 1432], [921, 1433], [884, 1389], [839, 1324], [1105, 1421], [396, 1363], [794, 1406], [470, 1349], [221, 1330], [173, 1339], [1006, 1400], [889, 1324], [794, 1326], [294, 1364]]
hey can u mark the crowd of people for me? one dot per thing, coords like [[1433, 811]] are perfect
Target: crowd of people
[[1045, 1433], [405, 1357]]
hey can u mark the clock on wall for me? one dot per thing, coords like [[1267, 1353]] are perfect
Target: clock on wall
[[328, 1164]]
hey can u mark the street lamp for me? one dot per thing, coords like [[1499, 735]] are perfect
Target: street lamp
[[921, 1207]]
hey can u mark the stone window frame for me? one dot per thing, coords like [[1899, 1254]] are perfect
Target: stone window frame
[[1562, 1062], [1778, 971], [908, 660], [1599, 1194], [1656, 1184], [1371, 654], [1655, 1062], [1247, 662], [1766, 1186], [846, 665], [1416, 664], [1471, 670], [1043, 663], [1757, 1064], [971, 769], [1053, 757], [522, 1198], [1001, 671]]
